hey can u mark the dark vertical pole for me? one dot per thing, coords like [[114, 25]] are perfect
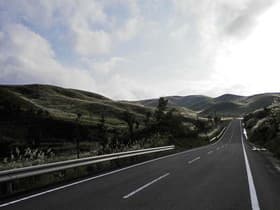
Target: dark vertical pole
[[79, 115], [9, 188], [78, 147]]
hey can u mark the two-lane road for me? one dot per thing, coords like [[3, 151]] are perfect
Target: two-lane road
[[223, 175]]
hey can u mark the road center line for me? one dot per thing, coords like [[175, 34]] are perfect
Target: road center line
[[191, 161], [145, 186], [253, 194], [210, 152]]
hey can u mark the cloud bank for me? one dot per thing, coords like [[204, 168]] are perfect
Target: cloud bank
[[131, 49]]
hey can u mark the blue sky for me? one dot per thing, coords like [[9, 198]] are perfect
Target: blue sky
[[129, 49]]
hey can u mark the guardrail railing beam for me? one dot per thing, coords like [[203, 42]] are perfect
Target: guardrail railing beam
[[13, 174]]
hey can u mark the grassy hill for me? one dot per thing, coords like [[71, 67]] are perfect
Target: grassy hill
[[38, 121], [193, 102], [224, 108], [224, 105], [228, 98], [44, 115], [65, 104], [263, 128]]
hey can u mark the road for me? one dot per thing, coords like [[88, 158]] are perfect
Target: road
[[223, 175]]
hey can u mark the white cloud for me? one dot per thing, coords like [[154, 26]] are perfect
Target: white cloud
[[130, 29], [254, 62], [106, 67], [88, 43], [26, 57], [136, 48]]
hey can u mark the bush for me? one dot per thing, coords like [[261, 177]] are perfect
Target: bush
[[266, 130]]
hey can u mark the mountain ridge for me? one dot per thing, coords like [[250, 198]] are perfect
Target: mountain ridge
[[225, 105], [60, 100]]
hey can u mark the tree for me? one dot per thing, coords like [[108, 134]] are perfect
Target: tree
[[130, 119], [115, 139], [217, 120], [174, 124], [147, 118], [161, 108], [200, 125], [103, 131], [78, 117]]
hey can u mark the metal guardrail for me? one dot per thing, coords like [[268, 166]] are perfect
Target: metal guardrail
[[218, 136], [13, 174]]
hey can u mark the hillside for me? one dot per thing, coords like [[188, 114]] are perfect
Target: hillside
[[263, 128], [42, 113], [228, 98], [37, 119], [194, 102], [44, 116], [65, 104], [224, 105]]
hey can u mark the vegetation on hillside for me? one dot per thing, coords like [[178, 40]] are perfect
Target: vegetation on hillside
[[227, 105], [263, 128], [45, 123]]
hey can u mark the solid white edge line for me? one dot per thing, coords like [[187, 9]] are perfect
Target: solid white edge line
[[253, 194], [145, 186], [106, 174], [195, 159]]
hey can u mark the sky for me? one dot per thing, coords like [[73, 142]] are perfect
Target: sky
[[137, 49]]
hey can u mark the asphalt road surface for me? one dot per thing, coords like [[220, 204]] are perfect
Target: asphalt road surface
[[223, 175]]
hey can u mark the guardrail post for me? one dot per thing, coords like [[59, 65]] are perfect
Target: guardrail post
[[9, 187]]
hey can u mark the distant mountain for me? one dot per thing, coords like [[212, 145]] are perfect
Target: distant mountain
[[64, 103], [193, 102], [228, 98], [225, 109], [226, 105]]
